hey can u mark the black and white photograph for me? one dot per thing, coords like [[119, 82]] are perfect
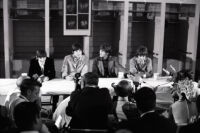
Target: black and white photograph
[[99, 66]]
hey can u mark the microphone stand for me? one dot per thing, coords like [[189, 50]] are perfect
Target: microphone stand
[[76, 80]]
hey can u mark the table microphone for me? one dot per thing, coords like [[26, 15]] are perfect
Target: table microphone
[[166, 71], [172, 68], [77, 78]]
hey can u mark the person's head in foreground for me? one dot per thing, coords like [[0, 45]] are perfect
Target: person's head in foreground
[[77, 50], [89, 79], [145, 99], [27, 117], [123, 88], [105, 51], [30, 89], [20, 79]]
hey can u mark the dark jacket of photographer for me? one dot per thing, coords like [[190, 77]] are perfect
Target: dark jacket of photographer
[[89, 108]]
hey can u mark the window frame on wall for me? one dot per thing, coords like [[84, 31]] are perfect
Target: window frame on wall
[[80, 28]]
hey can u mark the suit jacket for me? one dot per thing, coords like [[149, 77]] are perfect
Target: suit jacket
[[70, 67], [146, 68], [113, 67], [154, 123], [49, 69], [191, 128], [89, 108]]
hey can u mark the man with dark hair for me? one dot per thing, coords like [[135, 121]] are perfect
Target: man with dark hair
[[106, 65], [74, 63], [149, 120], [141, 64], [41, 67], [123, 108], [90, 106], [27, 118], [30, 90]]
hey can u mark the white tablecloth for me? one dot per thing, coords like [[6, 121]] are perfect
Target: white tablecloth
[[61, 86], [55, 86]]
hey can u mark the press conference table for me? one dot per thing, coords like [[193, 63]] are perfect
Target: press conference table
[[64, 87], [61, 86]]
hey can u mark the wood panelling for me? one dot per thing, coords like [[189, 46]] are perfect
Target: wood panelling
[[105, 33], [175, 41], [28, 36], [140, 33], [62, 44]]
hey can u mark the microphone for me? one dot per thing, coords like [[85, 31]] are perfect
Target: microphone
[[172, 68], [77, 75], [77, 78], [184, 52], [166, 71]]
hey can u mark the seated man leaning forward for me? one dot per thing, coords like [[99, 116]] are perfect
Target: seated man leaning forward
[[29, 92], [106, 65], [140, 64], [41, 67], [74, 63], [90, 106]]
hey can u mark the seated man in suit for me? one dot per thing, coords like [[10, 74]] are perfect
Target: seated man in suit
[[74, 63], [90, 106], [29, 92], [141, 65], [150, 121], [41, 67], [106, 65]]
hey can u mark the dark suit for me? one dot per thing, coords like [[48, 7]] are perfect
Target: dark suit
[[89, 108], [49, 69], [154, 123], [107, 68], [191, 128]]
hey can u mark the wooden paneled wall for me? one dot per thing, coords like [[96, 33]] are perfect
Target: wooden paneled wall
[[28, 36], [61, 44]]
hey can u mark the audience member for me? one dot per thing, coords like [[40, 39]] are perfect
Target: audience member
[[14, 94], [106, 65], [30, 90], [41, 67], [183, 110], [90, 106], [194, 127], [77, 62], [124, 109], [5, 122], [149, 120], [27, 118], [141, 65]]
